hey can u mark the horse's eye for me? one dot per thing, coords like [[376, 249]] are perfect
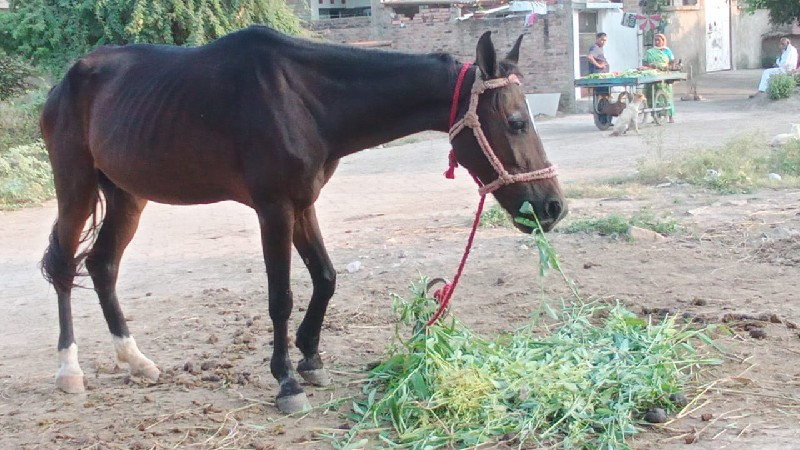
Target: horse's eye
[[517, 126]]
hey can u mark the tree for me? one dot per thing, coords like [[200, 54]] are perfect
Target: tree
[[51, 33], [781, 12]]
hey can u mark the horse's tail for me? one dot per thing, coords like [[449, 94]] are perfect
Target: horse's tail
[[63, 132], [61, 269]]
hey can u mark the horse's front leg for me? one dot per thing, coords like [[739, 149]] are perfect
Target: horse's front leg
[[277, 223], [308, 242]]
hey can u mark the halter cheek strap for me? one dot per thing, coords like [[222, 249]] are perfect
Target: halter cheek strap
[[470, 120]]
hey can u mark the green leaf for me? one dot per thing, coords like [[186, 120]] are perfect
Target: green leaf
[[526, 208], [420, 387], [550, 312]]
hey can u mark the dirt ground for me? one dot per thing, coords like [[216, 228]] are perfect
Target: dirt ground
[[193, 288]]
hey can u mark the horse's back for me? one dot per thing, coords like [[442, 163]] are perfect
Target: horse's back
[[163, 122]]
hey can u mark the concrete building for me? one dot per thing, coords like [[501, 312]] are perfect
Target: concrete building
[[707, 35]]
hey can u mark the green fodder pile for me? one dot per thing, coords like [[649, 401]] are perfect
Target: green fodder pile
[[583, 381], [584, 385]]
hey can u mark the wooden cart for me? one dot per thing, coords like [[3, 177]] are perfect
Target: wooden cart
[[658, 105]]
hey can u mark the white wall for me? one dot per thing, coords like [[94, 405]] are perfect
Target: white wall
[[622, 49]]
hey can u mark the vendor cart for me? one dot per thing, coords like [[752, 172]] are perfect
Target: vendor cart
[[658, 104]]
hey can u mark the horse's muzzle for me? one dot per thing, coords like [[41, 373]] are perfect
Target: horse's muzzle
[[549, 212]]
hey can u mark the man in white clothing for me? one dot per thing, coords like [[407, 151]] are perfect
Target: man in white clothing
[[785, 64]]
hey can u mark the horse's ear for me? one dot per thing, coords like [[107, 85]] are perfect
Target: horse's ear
[[513, 55], [486, 56]]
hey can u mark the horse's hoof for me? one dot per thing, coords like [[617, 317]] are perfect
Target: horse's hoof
[[291, 404], [317, 377], [150, 372], [71, 383]]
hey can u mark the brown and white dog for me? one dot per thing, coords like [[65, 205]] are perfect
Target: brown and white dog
[[629, 117]]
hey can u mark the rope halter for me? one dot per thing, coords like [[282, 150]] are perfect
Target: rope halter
[[470, 120]]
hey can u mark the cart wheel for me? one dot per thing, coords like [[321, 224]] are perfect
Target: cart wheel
[[602, 121], [602, 104], [660, 107]]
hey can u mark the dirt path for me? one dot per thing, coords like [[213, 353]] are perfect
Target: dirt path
[[193, 288]]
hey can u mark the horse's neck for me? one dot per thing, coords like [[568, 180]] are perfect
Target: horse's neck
[[376, 105]]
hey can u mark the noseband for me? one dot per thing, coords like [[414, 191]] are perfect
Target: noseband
[[470, 120]]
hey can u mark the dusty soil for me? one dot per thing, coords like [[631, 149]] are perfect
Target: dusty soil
[[193, 289]]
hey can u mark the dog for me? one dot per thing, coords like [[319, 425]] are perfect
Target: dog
[[629, 117], [782, 139], [615, 109]]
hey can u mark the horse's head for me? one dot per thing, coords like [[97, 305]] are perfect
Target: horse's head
[[504, 150]]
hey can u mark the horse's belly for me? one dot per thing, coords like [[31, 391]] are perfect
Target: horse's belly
[[175, 182]]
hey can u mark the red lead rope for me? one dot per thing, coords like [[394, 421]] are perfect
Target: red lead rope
[[444, 294], [450, 173]]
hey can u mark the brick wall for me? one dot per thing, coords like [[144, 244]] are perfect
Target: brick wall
[[545, 55]]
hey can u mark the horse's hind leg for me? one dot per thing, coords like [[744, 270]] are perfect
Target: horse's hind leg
[[308, 242], [77, 196], [119, 225]]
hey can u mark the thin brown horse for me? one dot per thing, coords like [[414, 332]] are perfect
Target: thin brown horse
[[262, 119]]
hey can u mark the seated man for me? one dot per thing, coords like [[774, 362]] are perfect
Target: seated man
[[785, 64]]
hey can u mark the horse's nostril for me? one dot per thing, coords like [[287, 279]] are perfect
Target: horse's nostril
[[553, 209]]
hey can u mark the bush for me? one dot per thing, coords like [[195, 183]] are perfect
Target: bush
[[734, 167], [780, 86], [13, 74], [25, 176], [54, 32], [786, 160], [19, 120]]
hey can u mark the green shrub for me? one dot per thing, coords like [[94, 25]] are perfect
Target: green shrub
[[19, 120], [786, 160], [13, 75], [617, 226], [780, 86], [496, 217], [54, 32], [25, 176], [737, 166]]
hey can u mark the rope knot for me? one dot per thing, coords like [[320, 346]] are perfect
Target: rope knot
[[471, 119]]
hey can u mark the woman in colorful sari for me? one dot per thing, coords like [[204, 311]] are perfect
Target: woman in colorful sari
[[659, 57]]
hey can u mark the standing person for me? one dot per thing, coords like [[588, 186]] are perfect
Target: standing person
[[595, 55], [786, 63], [597, 59], [659, 57]]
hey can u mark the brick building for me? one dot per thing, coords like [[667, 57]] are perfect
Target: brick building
[[706, 34]]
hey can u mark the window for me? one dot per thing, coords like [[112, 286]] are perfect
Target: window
[[681, 3], [587, 31]]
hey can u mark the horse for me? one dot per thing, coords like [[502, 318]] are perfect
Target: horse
[[263, 119]]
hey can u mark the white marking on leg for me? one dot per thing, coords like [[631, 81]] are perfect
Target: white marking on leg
[[140, 365], [69, 377]]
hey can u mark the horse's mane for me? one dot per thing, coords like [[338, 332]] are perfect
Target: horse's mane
[[318, 52]]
